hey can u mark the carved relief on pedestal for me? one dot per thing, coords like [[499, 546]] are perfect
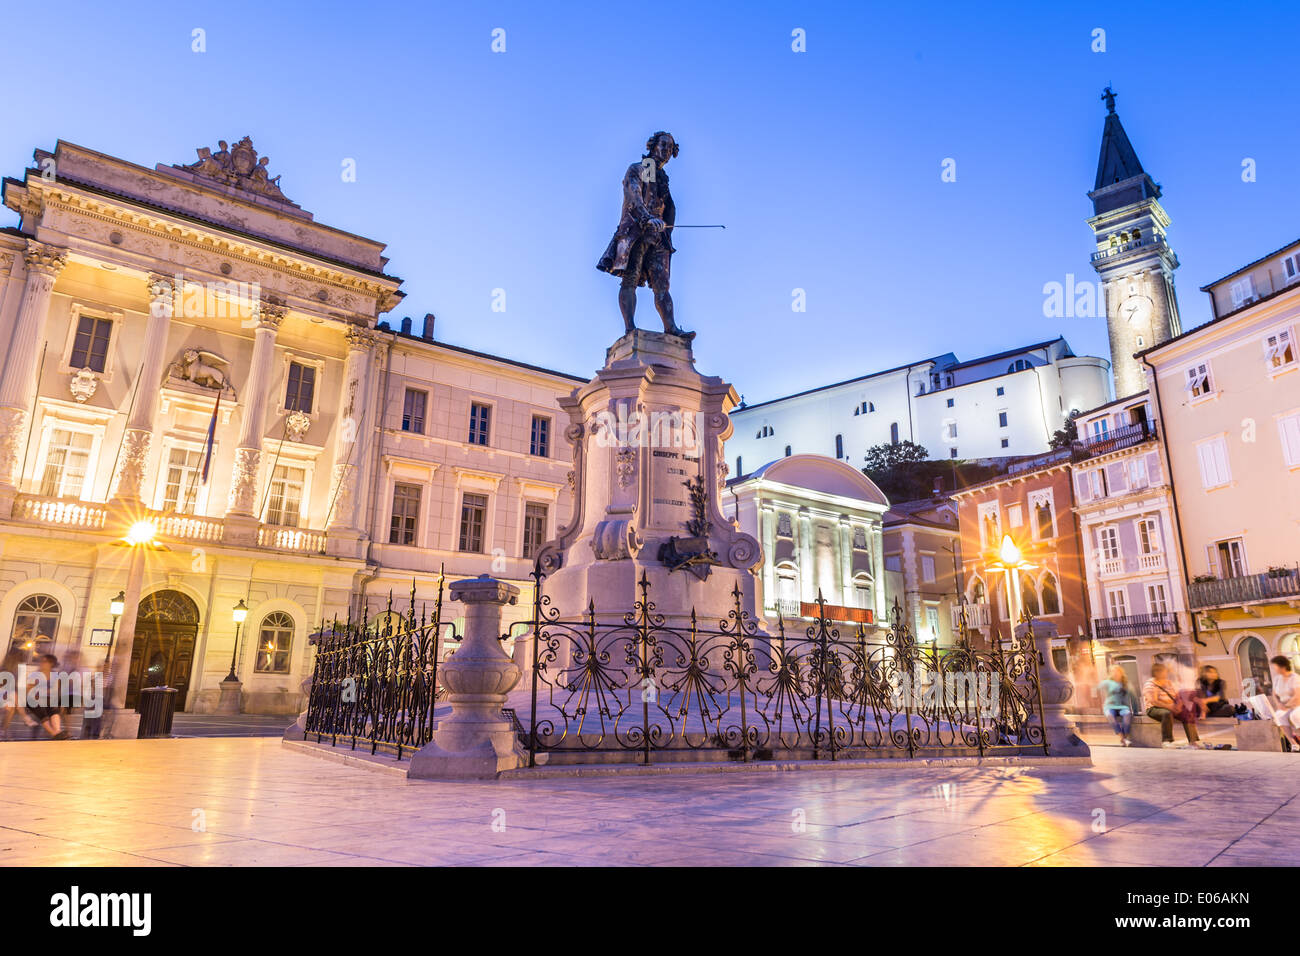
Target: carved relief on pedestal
[[243, 484], [135, 451], [13, 426], [625, 466], [83, 384]]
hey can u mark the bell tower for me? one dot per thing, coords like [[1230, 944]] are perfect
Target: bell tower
[[1133, 259]]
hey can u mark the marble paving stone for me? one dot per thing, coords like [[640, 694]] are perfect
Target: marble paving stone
[[131, 803]]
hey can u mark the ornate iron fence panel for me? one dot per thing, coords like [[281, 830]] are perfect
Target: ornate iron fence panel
[[638, 685], [375, 681]]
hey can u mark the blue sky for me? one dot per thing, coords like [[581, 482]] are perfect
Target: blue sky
[[487, 171]]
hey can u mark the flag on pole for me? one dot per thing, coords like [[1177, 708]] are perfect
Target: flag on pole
[[212, 437]]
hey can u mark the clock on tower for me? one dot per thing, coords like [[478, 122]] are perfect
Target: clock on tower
[[1133, 258]]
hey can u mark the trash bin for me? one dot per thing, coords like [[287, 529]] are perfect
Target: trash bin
[[156, 707]]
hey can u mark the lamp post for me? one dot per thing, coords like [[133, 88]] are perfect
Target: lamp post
[[120, 722], [115, 609], [1011, 561], [229, 702]]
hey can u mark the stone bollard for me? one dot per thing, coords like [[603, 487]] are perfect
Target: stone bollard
[[475, 742], [1061, 735]]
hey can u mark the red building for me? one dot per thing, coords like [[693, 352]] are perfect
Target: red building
[[1034, 504]]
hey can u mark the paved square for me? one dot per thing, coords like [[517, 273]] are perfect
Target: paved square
[[138, 803]]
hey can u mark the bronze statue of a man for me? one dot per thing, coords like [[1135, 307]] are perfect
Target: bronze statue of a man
[[641, 250]]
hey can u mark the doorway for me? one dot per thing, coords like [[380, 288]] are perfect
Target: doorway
[[162, 653]]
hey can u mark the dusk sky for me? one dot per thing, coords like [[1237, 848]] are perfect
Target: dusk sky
[[486, 171]]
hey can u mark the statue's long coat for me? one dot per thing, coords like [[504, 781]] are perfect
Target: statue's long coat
[[643, 199]]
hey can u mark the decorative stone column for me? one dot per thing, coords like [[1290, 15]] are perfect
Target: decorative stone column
[[140, 424], [476, 741], [767, 528], [807, 569], [846, 561], [1060, 733], [878, 578], [353, 435], [18, 383], [242, 518]]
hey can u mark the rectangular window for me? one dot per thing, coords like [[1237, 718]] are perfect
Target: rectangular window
[[893, 562], [1149, 536], [67, 459], [181, 487], [473, 516], [413, 411], [1292, 266], [479, 417], [932, 622], [284, 504], [1213, 457], [90, 346], [1097, 487], [862, 593], [1002, 419], [927, 567], [406, 514], [1001, 390], [950, 403], [1006, 443], [301, 390], [1157, 603], [1229, 557], [952, 452], [1099, 429], [1289, 429], [1117, 604], [1279, 349], [1138, 472], [1242, 291], [1108, 539], [539, 438], [1015, 516], [534, 528], [1199, 382]]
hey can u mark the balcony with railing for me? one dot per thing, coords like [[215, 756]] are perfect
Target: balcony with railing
[[1274, 584], [74, 515], [1120, 248], [978, 614], [1120, 438], [1134, 625]]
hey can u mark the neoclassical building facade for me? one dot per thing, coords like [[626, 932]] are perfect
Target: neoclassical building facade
[[186, 346]]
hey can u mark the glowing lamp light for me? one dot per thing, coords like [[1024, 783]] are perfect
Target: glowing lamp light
[[240, 612], [142, 532], [117, 605]]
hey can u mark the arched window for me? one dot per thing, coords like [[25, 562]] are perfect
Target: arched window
[[977, 591], [1051, 597], [1252, 657], [839, 446], [739, 470], [893, 433], [1029, 596], [871, 407], [274, 644], [36, 625], [787, 451], [1019, 365]]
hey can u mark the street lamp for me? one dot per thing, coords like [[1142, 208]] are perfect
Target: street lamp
[[239, 613], [115, 608], [140, 538], [1011, 560]]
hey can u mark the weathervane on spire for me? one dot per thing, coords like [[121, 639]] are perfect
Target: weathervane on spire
[[1109, 97]]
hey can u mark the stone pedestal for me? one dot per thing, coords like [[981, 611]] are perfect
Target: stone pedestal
[[648, 477], [119, 724], [231, 694], [1061, 734], [476, 742]]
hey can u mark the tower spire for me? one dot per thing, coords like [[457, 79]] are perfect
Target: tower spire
[[1118, 160]]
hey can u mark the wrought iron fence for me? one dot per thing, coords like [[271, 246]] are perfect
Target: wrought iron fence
[[375, 681], [694, 689]]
